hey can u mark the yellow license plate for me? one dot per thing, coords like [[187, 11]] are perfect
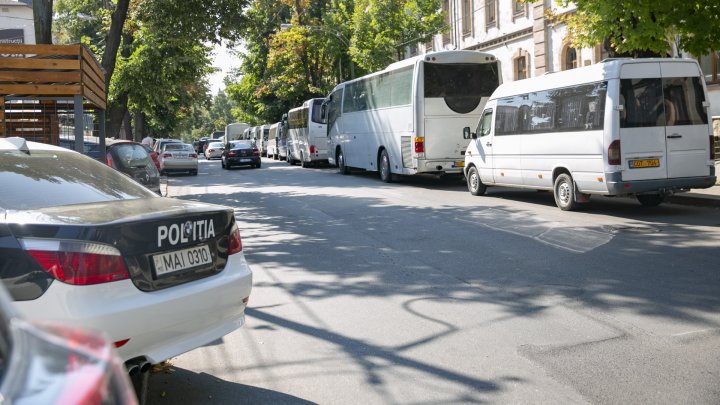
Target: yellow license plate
[[644, 163], [460, 164]]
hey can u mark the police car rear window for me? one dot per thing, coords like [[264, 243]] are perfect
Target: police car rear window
[[56, 178]]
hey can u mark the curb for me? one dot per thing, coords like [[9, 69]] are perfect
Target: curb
[[695, 200]]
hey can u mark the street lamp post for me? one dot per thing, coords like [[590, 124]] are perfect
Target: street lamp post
[[334, 33]]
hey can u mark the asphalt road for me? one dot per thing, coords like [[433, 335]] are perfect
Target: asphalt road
[[416, 292]]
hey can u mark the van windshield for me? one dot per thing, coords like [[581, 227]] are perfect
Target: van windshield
[[461, 85], [652, 102]]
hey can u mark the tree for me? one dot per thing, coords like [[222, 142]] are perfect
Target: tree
[[42, 17], [639, 28]]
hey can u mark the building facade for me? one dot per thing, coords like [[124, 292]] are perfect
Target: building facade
[[16, 22], [527, 44]]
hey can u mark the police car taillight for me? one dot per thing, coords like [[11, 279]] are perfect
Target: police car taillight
[[76, 262], [235, 245]]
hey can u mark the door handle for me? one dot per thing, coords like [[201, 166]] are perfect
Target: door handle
[[674, 136], [488, 143]]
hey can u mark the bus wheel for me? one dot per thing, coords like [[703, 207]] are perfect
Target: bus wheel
[[385, 172], [341, 163], [564, 191], [475, 185], [650, 200]]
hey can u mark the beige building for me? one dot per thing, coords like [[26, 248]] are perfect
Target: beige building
[[526, 44]]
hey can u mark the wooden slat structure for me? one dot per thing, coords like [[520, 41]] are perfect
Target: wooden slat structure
[[39, 83]]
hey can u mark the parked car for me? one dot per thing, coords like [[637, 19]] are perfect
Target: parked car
[[214, 150], [178, 157], [240, 153], [153, 155], [45, 363], [92, 149], [88, 247], [200, 145], [134, 160], [160, 143]]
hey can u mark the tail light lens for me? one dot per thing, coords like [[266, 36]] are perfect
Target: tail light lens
[[614, 153], [167, 155], [78, 263], [256, 152], [312, 148], [419, 145], [232, 154], [235, 245], [193, 155]]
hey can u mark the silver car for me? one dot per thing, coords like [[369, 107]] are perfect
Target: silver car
[[178, 157], [214, 150]]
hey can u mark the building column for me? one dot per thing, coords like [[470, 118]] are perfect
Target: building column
[[540, 37]]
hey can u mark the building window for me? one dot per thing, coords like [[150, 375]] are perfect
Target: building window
[[519, 9], [710, 65], [490, 13], [467, 16], [569, 58], [448, 26], [521, 68], [429, 45]]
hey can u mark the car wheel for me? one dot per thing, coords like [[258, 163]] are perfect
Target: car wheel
[[475, 185], [193, 172], [385, 172], [564, 191], [340, 159], [650, 200], [258, 165]]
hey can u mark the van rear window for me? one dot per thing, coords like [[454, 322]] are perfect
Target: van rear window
[[653, 102]]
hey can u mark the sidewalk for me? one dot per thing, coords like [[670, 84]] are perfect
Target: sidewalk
[[708, 197]]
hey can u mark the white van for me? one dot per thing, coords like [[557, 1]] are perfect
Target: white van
[[621, 127], [272, 146], [234, 131], [307, 134]]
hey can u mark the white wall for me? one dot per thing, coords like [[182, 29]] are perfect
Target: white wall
[[14, 15]]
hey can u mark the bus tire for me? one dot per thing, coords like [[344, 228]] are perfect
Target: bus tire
[[475, 185], [564, 192], [650, 200], [340, 159], [384, 166]]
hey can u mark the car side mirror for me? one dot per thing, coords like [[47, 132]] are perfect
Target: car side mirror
[[468, 135]]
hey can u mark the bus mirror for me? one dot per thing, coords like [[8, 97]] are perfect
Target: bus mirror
[[467, 134]]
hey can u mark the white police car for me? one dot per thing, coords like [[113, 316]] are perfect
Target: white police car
[[83, 244]]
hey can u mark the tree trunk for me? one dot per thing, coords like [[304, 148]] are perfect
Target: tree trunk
[[139, 126], [116, 114], [127, 125], [42, 16], [112, 39]]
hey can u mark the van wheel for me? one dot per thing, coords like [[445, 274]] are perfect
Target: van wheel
[[384, 166], [650, 200], [564, 191], [475, 185], [341, 163]]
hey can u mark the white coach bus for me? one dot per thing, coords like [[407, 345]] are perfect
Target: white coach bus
[[621, 127], [408, 118], [307, 134], [234, 131], [272, 140]]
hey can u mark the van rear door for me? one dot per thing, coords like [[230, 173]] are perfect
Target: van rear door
[[663, 127]]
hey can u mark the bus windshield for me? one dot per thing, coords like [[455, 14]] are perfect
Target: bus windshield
[[461, 85]]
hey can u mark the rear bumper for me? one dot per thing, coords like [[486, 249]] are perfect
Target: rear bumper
[[160, 324], [664, 186], [242, 161], [179, 165]]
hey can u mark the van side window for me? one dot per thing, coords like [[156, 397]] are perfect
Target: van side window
[[574, 108], [485, 123]]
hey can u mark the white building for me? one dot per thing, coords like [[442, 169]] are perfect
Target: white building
[[16, 22], [527, 44]]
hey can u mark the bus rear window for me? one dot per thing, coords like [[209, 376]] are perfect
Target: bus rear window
[[461, 85]]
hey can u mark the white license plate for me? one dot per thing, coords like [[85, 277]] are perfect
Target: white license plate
[[245, 160], [181, 260]]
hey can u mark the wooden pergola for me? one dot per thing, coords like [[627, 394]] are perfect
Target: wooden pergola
[[47, 88]]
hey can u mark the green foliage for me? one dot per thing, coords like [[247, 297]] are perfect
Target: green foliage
[[641, 27], [81, 21]]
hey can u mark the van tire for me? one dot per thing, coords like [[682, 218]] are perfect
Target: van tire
[[475, 185], [340, 159], [650, 200], [384, 167], [564, 192]]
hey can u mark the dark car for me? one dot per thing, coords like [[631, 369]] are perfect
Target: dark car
[[84, 245], [42, 363], [200, 145], [240, 153], [91, 149], [134, 160]]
